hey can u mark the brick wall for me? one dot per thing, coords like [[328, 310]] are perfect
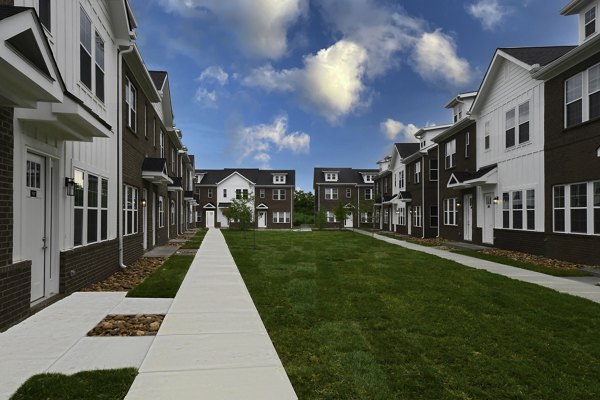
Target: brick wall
[[133, 248], [88, 264], [6, 185], [15, 292], [7, 3]]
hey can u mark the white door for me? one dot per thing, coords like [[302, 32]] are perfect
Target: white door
[[409, 220], [349, 223], [468, 217], [34, 223], [488, 219], [262, 219], [153, 219], [210, 219], [145, 219]]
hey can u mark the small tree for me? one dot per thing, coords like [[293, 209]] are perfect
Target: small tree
[[240, 211], [367, 207], [340, 212], [321, 220]]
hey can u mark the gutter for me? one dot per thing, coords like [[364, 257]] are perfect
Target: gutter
[[120, 53]]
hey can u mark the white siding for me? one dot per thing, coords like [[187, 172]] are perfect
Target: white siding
[[232, 183]]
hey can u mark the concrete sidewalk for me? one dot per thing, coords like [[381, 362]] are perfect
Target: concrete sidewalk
[[212, 343], [563, 285], [54, 339]]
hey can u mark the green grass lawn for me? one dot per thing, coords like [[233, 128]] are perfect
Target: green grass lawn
[[525, 265], [196, 240], [356, 318], [165, 281], [89, 385]]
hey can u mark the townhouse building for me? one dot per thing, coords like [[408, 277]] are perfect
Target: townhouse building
[[64, 205], [458, 174], [383, 195], [353, 188], [270, 194]]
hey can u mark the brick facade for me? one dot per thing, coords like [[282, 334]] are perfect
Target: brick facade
[[15, 292], [83, 266], [6, 185], [7, 2]]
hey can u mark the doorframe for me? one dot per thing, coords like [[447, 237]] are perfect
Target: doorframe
[[409, 219], [485, 238], [145, 219], [264, 213], [153, 218], [468, 216], [212, 222]]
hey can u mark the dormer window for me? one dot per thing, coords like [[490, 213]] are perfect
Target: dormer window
[[368, 178], [590, 22], [457, 113], [331, 176], [279, 179], [423, 143]]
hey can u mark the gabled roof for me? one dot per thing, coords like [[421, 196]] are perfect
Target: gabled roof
[[466, 179], [9, 11], [154, 164], [259, 177], [574, 7], [159, 78], [537, 55], [459, 98], [406, 149], [345, 175]]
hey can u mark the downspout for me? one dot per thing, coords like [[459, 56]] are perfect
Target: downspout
[[128, 49], [358, 206], [423, 197], [438, 192]]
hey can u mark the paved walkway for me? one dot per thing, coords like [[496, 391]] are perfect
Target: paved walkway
[[212, 343], [54, 339], [569, 286]]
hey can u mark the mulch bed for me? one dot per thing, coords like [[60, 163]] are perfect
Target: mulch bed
[[128, 325], [133, 275], [533, 259]]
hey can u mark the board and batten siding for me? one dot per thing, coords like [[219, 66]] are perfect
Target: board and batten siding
[[233, 182], [522, 166]]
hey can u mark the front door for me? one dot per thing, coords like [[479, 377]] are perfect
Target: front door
[[349, 222], [145, 220], [409, 220], [488, 219], [468, 217], [34, 223], [262, 219], [210, 219]]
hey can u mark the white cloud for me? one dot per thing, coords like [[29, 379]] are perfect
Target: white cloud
[[489, 12], [258, 140], [331, 81], [214, 74], [206, 98], [435, 59], [393, 129], [260, 26]]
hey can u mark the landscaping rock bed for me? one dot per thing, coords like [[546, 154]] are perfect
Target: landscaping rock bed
[[122, 281], [533, 259], [128, 325]]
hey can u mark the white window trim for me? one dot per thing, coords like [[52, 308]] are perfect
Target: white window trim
[[172, 214], [450, 154], [369, 194], [436, 169], [281, 217], [417, 172], [567, 208], [86, 208], [331, 193], [450, 212], [517, 125], [487, 139], [131, 103], [595, 20], [279, 194], [330, 217], [417, 216], [279, 179], [331, 177], [161, 212]]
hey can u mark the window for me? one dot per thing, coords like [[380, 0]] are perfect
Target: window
[[401, 179], [174, 160], [241, 194], [530, 210], [366, 217], [90, 222], [418, 172], [279, 179], [510, 128], [172, 217], [590, 22], [386, 216], [594, 92], [578, 208], [146, 121], [278, 194], [368, 194], [130, 211], [433, 217], [417, 216], [467, 143], [423, 143], [486, 138], [225, 193], [506, 210], [154, 131], [402, 215], [162, 144], [99, 52], [451, 154], [450, 211], [596, 208], [395, 181], [281, 217], [524, 123], [433, 170], [331, 176], [209, 193], [559, 208], [369, 178], [331, 216], [331, 194], [85, 49], [517, 207], [348, 193], [261, 193], [574, 100], [44, 12], [161, 212], [131, 104]]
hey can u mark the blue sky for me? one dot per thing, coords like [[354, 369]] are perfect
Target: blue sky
[[295, 84]]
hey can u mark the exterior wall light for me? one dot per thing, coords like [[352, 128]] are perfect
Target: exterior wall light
[[70, 185], [143, 202], [457, 204], [496, 200]]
